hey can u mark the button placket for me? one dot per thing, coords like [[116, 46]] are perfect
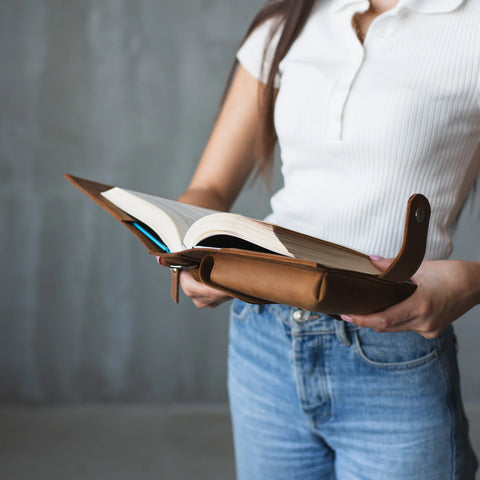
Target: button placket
[[339, 97], [354, 57], [380, 26], [379, 29]]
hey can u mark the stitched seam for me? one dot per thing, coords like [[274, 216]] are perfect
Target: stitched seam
[[451, 412], [426, 359], [352, 330]]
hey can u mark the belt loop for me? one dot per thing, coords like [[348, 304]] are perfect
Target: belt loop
[[342, 334], [257, 308]]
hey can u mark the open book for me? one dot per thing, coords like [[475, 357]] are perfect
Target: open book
[[175, 226], [259, 262]]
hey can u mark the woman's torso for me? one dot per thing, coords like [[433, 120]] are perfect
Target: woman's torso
[[361, 128]]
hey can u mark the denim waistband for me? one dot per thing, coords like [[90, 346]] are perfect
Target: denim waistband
[[304, 322]]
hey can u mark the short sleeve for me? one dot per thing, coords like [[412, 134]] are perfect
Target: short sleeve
[[250, 54]]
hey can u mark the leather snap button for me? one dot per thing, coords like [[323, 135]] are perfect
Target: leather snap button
[[420, 215]]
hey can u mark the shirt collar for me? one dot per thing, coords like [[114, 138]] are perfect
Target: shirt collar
[[420, 6]]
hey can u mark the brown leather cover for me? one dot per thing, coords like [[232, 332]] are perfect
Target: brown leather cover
[[269, 278], [93, 190]]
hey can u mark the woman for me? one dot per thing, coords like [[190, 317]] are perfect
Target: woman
[[371, 102]]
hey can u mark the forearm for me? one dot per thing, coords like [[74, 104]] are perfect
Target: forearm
[[205, 197], [229, 156], [470, 282]]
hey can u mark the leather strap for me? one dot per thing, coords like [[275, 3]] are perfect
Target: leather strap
[[174, 286], [414, 244]]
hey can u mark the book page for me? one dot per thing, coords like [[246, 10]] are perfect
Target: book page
[[182, 226], [234, 225], [182, 214], [325, 253], [169, 219], [278, 240]]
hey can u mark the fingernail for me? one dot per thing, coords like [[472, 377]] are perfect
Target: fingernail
[[346, 318], [376, 257]]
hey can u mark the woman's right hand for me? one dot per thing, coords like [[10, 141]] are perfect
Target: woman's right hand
[[202, 296]]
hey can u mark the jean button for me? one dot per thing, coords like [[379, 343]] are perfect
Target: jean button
[[298, 316]]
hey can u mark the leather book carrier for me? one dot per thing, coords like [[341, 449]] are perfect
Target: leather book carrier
[[261, 278]]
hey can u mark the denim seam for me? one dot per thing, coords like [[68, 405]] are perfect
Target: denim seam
[[310, 409], [320, 332], [306, 334], [426, 359], [451, 412]]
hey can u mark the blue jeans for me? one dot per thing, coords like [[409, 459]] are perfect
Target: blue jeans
[[315, 398]]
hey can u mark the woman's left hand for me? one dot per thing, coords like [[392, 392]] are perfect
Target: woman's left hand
[[446, 289]]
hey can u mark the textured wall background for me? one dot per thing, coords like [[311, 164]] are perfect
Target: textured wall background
[[125, 93]]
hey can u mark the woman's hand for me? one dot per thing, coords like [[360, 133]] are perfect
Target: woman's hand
[[446, 289], [202, 296]]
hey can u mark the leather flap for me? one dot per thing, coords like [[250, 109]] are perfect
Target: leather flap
[[414, 244]]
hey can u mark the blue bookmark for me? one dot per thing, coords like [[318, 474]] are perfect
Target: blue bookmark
[[151, 237]]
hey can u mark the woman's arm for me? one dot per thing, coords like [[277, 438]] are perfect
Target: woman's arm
[[229, 156], [446, 289], [227, 161]]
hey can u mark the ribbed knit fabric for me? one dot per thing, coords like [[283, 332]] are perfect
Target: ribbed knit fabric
[[362, 127]]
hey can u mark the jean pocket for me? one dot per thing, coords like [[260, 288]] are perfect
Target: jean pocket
[[239, 310], [395, 351]]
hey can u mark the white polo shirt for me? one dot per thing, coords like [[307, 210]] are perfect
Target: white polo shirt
[[363, 127]]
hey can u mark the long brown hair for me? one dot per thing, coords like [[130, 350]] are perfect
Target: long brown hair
[[290, 16]]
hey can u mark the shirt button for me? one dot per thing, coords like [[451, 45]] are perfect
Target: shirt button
[[380, 33]]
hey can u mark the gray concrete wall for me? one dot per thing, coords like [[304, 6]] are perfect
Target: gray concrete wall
[[123, 92]]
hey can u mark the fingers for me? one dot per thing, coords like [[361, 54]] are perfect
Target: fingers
[[395, 319], [161, 261], [435, 304], [380, 262], [201, 295], [415, 314]]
